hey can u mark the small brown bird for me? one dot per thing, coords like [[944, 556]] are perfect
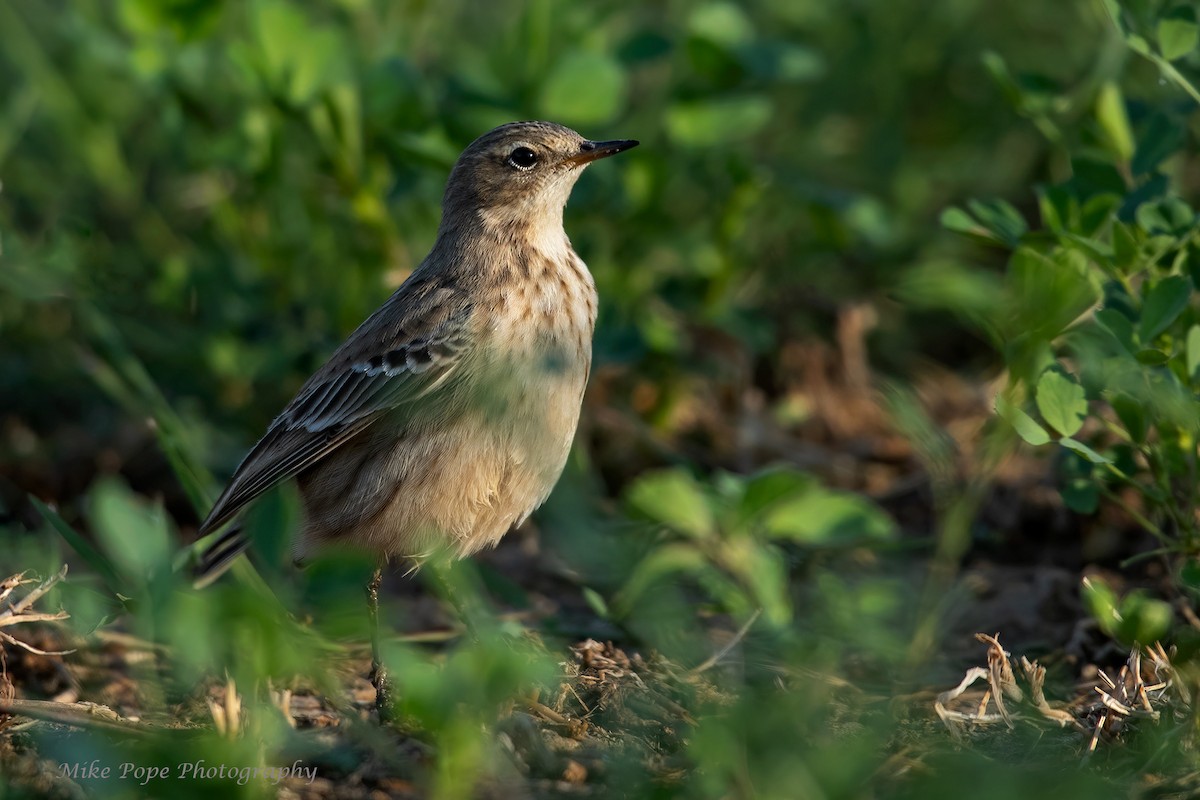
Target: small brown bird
[[447, 416]]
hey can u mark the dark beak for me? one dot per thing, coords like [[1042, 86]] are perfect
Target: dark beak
[[590, 151]]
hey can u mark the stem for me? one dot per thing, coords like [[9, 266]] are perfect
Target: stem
[[1138, 517]]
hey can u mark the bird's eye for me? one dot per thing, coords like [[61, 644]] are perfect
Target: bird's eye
[[523, 158]]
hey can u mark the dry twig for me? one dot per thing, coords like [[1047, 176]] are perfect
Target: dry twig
[[1139, 691], [20, 611], [77, 715]]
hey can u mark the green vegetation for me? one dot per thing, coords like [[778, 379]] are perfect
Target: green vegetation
[[878, 274]]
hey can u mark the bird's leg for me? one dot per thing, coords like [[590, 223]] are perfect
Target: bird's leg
[[379, 676]]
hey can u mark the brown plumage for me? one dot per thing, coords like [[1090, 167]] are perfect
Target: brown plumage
[[446, 418]]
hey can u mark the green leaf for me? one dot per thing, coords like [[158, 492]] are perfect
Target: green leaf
[[781, 62], [1047, 294], [998, 70], [1096, 250], [1097, 213], [1125, 247], [661, 563], [827, 518], [1061, 401], [322, 64], [959, 221], [721, 23], [1119, 325], [133, 534], [999, 217], [1178, 33], [1132, 414], [584, 89], [86, 550], [281, 33], [767, 490], [1193, 353], [1152, 357], [596, 602], [675, 499], [1158, 140], [1101, 602], [1083, 450], [1114, 122], [1164, 303], [1025, 426], [1189, 574], [1056, 207], [1081, 495], [1144, 619], [706, 123], [765, 574], [1170, 215], [965, 291]]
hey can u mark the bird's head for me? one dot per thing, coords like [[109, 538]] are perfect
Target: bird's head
[[521, 174]]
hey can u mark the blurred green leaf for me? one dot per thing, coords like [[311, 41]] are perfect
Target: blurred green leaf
[[1101, 602], [1158, 141], [999, 217], [1144, 620], [708, 123], [584, 88], [662, 563], [1178, 33], [969, 292], [1193, 353], [1049, 293], [765, 491], [1125, 247], [1165, 301], [990, 220], [1120, 326], [673, 498], [1132, 414], [85, 549], [596, 602], [959, 221], [1061, 401], [1114, 122], [1189, 574], [1081, 495], [1082, 449], [785, 62], [1025, 426], [1094, 249], [133, 535], [723, 23], [1170, 215], [1152, 357], [825, 518]]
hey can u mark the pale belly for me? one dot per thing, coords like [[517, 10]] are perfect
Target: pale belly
[[457, 481]]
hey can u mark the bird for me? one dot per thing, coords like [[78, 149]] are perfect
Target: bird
[[446, 418]]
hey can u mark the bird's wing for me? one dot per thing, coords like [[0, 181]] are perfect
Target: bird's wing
[[404, 351]]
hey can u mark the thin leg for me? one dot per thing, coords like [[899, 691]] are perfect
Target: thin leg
[[379, 676]]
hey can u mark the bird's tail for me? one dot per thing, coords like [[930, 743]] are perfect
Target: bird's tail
[[219, 556]]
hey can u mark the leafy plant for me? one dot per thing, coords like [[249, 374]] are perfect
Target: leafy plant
[[731, 536], [1096, 317]]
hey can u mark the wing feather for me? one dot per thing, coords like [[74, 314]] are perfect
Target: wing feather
[[393, 360]]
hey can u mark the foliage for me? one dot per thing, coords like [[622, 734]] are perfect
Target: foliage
[[1096, 317]]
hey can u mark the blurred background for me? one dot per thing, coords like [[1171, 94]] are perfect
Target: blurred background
[[233, 187], [200, 199]]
